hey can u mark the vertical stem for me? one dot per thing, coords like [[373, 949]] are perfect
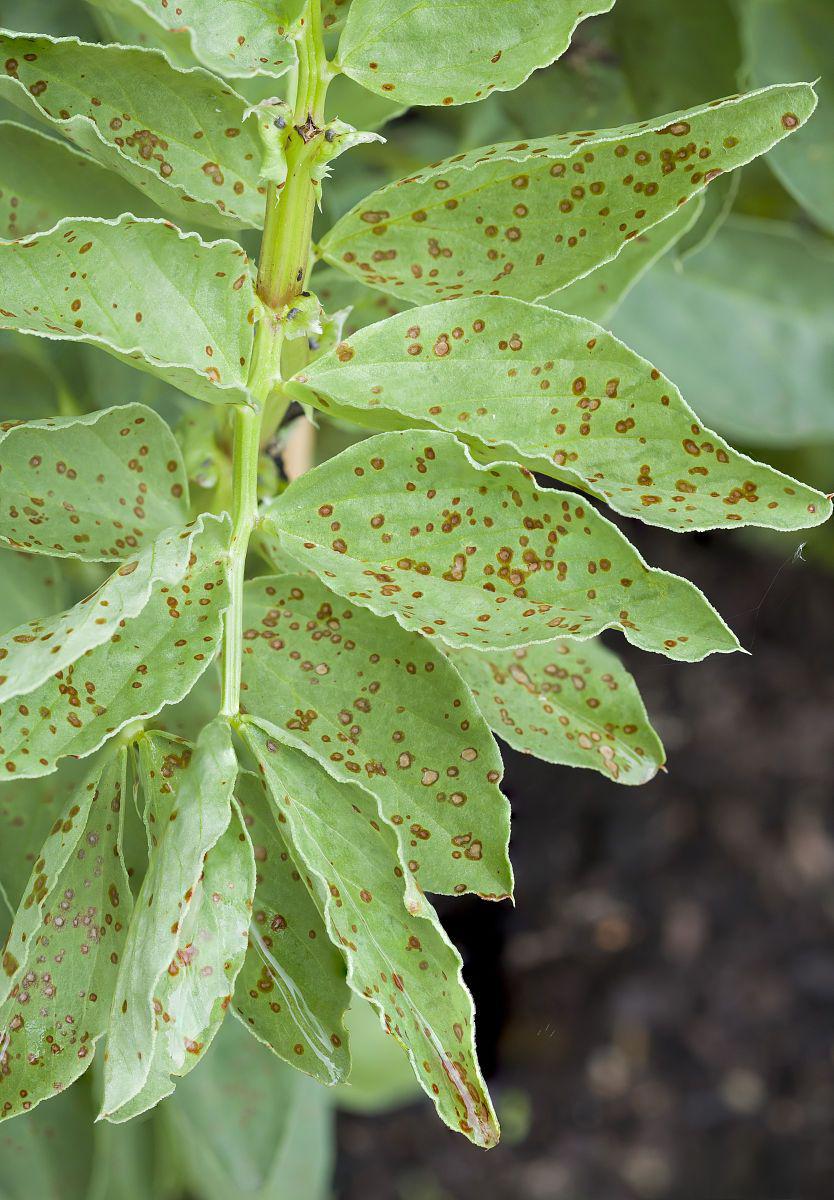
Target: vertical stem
[[284, 258]]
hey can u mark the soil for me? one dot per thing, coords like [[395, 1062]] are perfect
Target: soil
[[655, 1014]]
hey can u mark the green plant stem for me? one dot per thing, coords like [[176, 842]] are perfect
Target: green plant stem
[[283, 264]]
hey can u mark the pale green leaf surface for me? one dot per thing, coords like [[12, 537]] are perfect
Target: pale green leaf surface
[[275, 1139], [237, 38], [348, 101], [381, 1078], [171, 632], [745, 327], [191, 997], [163, 301], [455, 51], [43, 180], [98, 487], [798, 36], [382, 707], [181, 137], [49, 1155], [188, 795], [525, 219], [31, 585], [402, 962], [63, 953], [479, 556], [566, 702], [562, 396], [334, 14], [291, 992]]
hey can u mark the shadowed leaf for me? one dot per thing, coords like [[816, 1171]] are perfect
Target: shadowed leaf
[[63, 953], [291, 992], [525, 219], [382, 707], [400, 961], [160, 300], [409, 524], [95, 487]]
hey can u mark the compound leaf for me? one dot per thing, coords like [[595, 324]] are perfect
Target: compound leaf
[[291, 992], [562, 396], [407, 523], [161, 300], [237, 38], [181, 137], [43, 180], [522, 219], [738, 324], [379, 706], [97, 487], [568, 703], [140, 642], [188, 808], [470, 47], [402, 962], [63, 953]]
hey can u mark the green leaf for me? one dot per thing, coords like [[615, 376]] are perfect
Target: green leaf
[[382, 707], [797, 37], [381, 1078], [97, 487], [560, 395], [174, 934], [291, 992], [407, 523], [63, 953], [140, 642], [182, 137], [31, 585], [334, 14], [237, 38], [49, 1155], [401, 961], [438, 52], [248, 1126], [566, 703], [745, 326], [43, 180], [525, 219], [163, 301], [32, 385], [598, 296]]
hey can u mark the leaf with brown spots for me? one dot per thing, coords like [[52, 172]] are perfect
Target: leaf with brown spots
[[566, 702], [43, 180], [400, 961], [140, 642], [181, 137], [158, 299], [98, 487], [438, 52], [526, 219], [409, 524], [291, 992], [192, 913], [236, 38], [382, 707], [61, 960], [561, 396]]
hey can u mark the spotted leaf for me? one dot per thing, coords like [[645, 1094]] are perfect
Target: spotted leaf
[[567, 703], [474, 47], [163, 301], [560, 395], [384, 708], [43, 180], [98, 487], [291, 993], [237, 38], [525, 219], [407, 523], [140, 642], [401, 961], [181, 137], [188, 810], [62, 956], [334, 14]]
